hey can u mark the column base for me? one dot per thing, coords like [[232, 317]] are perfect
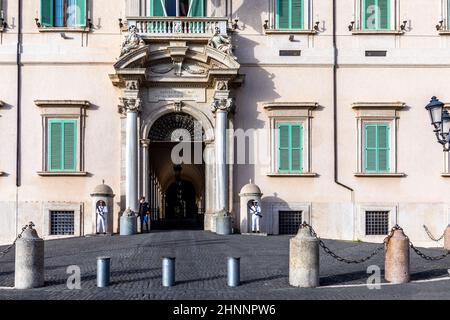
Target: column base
[[223, 224], [128, 225], [210, 222]]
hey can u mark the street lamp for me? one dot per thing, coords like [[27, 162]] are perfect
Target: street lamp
[[440, 119]]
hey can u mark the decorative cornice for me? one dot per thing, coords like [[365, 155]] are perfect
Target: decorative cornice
[[379, 105], [62, 103], [290, 105]]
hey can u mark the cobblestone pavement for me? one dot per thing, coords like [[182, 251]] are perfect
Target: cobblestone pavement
[[201, 269]]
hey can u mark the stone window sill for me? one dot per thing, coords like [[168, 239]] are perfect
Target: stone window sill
[[378, 32], [379, 175], [64, 29], [297, 175], [286, 31], [62, 174]]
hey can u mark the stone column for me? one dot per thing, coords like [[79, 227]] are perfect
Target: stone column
[[210, 187], [145, 143], [221, 106], [132, 201]]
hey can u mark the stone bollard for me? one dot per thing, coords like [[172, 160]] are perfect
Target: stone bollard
[[447, 238], [168, 272], [234, 272], [128, 223], [396, 262], [304, 260], [103, 271], [29, 268], [223, 223]]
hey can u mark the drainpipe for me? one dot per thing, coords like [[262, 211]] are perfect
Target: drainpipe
[[335, 131]]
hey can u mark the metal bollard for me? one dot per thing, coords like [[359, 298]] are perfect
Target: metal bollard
[[396, 262], [234, 272], [103, 271], [447, 238], [168, 272], [29, 265], [304, 260]]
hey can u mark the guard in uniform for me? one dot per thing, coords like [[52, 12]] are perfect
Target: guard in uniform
[[255, 210], [102, 217]]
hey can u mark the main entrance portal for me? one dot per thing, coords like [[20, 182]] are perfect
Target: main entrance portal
[[177, 174]]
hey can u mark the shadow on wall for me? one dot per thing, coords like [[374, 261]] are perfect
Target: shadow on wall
[[270, 214]]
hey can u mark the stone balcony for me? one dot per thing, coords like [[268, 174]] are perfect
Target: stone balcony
[[173, 28]]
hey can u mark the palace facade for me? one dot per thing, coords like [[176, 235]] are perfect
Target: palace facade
[[319, 103]]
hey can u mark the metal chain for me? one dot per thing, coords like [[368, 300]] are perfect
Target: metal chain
[[431, 236], [341, 259], [426, 257], [4, 252]]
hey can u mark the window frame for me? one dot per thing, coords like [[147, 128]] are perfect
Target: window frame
[[43, 27], [76, 207], [63, 110], [378, 28], [377, 113], [149, 10], [308, 14], [362, 208], [277, 15], [295, 113], [358, 18]]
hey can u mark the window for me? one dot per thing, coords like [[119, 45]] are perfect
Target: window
[[63, 13], [289, 221], [377, 125], [290, 14], [376, 147], [62, 223], [290, 138], [63, 131], [376, 14], [62, 145], [377, 223], [290, 148], [180, 8]]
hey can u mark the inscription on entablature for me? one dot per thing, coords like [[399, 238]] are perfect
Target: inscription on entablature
[[177, 94]]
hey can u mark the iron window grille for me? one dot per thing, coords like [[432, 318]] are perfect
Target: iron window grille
[[289, 222], [62, 223], [377, 223]]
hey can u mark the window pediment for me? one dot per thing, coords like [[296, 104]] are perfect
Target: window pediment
[[290, 109], [378, 109]]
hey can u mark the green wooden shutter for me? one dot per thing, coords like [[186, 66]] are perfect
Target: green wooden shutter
[[62, 145], [376, 148], [283, 148], [369, 21], [156, 8], [197, 8], [54, 146], [69, 146], [47, 12], [81, 14], [383, 147], [283, 14], [296, 148], [296, 14], [384, 14]]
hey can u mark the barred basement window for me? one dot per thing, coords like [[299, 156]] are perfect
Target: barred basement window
[[377, 223], [289, 221], [62, 223]]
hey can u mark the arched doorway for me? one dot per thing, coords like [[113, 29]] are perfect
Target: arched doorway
[[177, 172]]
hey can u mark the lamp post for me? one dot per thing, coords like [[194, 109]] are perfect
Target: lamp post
[[440, 119]]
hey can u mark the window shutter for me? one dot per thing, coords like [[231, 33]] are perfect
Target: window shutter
[[370, 148], [69, 145], [283, 146], [196, 8], [383, 147], [47, 11], [54, 146], [79, 12], [297, 14], [283, 14], [156, 8], [384, 14], [370, 13], [296, 148]]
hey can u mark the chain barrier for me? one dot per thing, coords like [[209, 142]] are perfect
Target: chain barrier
[[348, 261], [4, 252], [426, 257], [431, 236]]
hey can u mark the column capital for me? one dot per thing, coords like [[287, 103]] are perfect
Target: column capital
[[129, 105], [223, 104], [145, 143]]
